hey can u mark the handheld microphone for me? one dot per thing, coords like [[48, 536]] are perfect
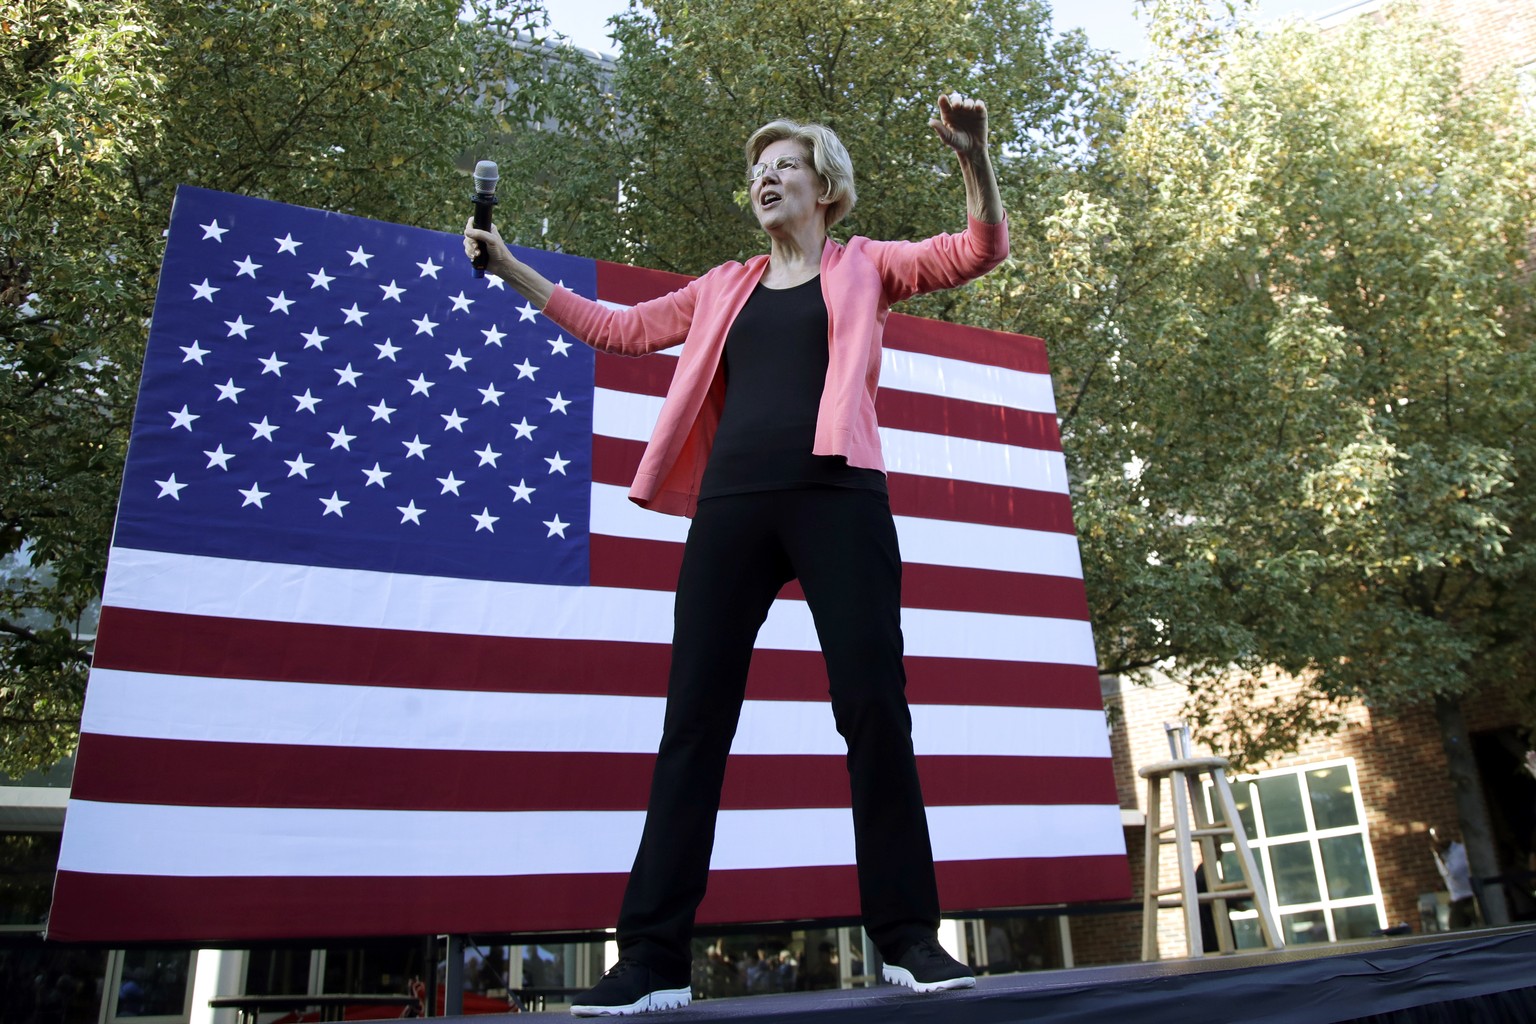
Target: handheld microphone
[[484, 198]]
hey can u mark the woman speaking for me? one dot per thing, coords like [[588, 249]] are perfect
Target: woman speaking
[[768, 440]]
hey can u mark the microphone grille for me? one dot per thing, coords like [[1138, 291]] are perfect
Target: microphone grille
[[485, 176]]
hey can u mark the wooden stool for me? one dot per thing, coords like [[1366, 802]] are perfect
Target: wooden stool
[[1193, 824]]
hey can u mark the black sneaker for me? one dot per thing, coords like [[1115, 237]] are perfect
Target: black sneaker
[[630, 987], [927, 968]]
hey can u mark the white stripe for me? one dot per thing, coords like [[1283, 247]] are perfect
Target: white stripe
[[196, 708], [980, 462], [148, 839], [632, 417], [927, 541], [275, 592], [957, 378], [972, 382]]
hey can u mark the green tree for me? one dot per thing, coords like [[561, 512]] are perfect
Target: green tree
[[670, 120], [1291, 317], [107, 108]]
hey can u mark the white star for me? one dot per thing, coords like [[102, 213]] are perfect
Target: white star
[[387, 350], [556, 527], [287, 244], [254, 495], [557, 464], [170, 488], [558, 404], [314, 339], [354, 315], [559, 346], [307, 401], [204, 291], [424, 325], [485, 521], [458, 361], [490, 396], [376, 475], [227, 390], [359, 256], [341, 439], [195, 353], [524, 429], [415, 447], [526, 311], [461, 302], [450, 483], [453, 421], [347, 376], [321, 280], [381, 412], [420, 385], [247, 268], [522, 492], [488, 456], [298, 467], [392, 290], [183, 419], [333, 505], [280, 303], [429, 269], [237, 326], [525, 369], [219, 457], [410, 513], [263, 429], [493, 336], [272, 365], [213, 231], [495, 282]]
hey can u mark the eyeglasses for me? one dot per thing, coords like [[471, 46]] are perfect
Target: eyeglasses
[[778, 163]]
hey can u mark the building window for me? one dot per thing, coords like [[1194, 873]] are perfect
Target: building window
[[149, 986], [1307, 829]]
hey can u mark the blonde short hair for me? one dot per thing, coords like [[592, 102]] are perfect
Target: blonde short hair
[[828, 156]]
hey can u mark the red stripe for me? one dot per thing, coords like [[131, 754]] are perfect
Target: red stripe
[[614, 461], [629, 285], [143, 908], [121, 769], [626, 285], [653, 565], [901, 410], [193, 645]]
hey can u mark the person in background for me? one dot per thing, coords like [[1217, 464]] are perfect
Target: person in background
[[1451, 861], [768, 440]]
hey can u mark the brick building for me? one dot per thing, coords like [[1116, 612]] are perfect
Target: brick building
[[1340, 827]]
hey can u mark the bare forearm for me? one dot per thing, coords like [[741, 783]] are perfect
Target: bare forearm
[[529, 283], [983, 201]]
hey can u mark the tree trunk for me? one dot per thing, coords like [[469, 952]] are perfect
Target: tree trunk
[[1471, 810]]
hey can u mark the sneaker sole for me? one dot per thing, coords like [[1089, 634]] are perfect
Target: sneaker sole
[[902, 976], [662, 999]]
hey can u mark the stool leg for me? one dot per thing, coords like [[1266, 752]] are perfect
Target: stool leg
[[1186, 851], [1150, 869], [1210, 861], [1267, 925]]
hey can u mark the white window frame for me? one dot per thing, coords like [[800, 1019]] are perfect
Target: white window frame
[[1262, 845], [116, 960]]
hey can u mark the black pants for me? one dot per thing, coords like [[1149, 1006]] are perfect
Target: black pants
[[841, 544]]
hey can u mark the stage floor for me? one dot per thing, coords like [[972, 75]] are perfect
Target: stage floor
[[1388, 979]]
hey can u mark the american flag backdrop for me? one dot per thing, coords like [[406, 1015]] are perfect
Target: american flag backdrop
[[383, 646]]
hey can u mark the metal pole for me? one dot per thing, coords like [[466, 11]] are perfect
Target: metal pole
[[453, 978]]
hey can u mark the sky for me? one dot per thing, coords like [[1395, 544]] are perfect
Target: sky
[[1110, 24]]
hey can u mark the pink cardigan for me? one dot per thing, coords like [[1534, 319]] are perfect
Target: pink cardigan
[[859, 281]]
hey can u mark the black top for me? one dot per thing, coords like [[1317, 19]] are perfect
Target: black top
[[775, 365]]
